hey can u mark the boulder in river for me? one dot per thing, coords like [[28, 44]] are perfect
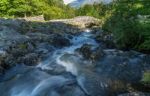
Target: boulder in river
[[3, 55], [59, 41], [92, 54], [30, 59], [106, 39]]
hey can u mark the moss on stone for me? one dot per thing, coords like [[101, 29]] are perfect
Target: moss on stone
[[22, 46], [146, 77]]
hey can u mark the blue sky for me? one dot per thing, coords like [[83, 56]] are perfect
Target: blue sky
[[69, 1]]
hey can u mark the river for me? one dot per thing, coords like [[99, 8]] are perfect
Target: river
[[58, 74]]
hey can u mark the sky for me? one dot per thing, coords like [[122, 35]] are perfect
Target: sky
[[68, 1]]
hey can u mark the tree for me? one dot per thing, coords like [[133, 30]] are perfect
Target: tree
[[23, 8], [4, 6], [130, 31]]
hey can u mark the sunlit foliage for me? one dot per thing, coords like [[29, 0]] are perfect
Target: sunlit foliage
[[130, 23], [22, 8]]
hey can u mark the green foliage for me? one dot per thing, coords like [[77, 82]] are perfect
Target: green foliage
[[54, 12], [21, 8], [130, 25], [95, 10], [4, 5]]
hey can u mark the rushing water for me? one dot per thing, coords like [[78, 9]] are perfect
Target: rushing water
[[61, 75], [35, 81]]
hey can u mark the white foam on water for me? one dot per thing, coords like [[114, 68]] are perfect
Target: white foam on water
[[77, 42], [69, 66], [48, 83], [87, 30]]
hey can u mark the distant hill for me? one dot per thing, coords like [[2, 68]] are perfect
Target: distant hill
[[79, 3]]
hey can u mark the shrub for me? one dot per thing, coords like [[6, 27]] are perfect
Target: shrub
[[130, 31]]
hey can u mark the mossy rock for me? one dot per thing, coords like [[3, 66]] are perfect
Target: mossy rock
[[146, 77], [22, 46], [144, 85]]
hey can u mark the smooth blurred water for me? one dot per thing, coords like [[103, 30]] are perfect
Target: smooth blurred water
[[33, 81], [57, 75]]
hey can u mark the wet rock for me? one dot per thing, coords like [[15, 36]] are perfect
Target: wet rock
[[71, 90], [6, 32], [12, 23], [146, 61], [85, 50], [120, 65], [89, 53], [30, 59], [54, 39], [43, 49], [135, 94], [141, 86], [38, 37], [106, 39], [10, 41], [1, 70], [3, 55], [17, 52], [11, 36], [45, 45], [54, 69], [145, 82], [10, 61], [58, 70], [21, 49], [97, 54], [59, 41]]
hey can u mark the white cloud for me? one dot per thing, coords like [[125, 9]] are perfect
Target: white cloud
[[68, 1]]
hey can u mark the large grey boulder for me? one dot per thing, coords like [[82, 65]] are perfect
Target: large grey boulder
[[92, 54]]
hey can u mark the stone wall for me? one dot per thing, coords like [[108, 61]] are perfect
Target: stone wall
[[35, 18]]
